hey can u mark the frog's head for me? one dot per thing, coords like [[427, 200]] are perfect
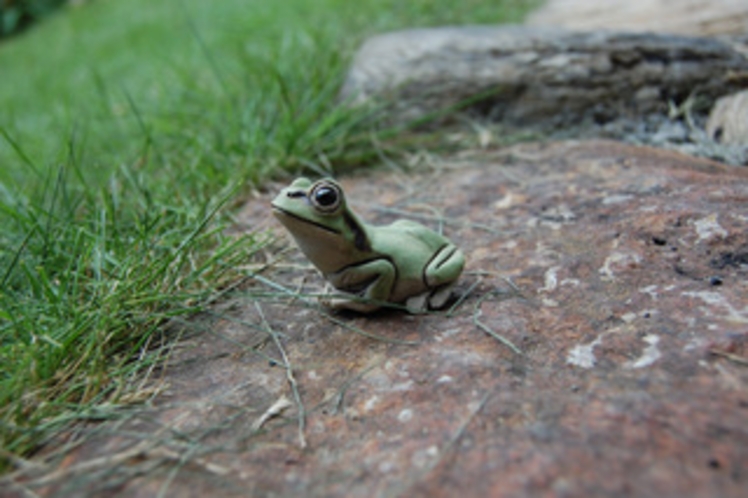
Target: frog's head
[[317, 216], [303, 203]]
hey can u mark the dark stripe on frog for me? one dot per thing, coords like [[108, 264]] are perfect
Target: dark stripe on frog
[[305, 220], [433, 256], [359, 235]]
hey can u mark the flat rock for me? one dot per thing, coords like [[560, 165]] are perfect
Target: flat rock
[[686, 17], [619, 272]]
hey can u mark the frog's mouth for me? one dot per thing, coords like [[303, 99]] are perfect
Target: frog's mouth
[[281, 213]]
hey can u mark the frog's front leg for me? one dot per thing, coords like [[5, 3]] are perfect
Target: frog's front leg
[[369, 284]]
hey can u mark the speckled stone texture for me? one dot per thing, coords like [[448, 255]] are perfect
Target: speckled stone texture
[[621, 274]]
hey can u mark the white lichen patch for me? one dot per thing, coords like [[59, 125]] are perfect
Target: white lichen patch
[[449, 333], [402, 386], [550, 280], [371, 403], [549, 303], [505, 202], [583, 355], [709, 227], [695, 344], [617, 199], [650, 354], [424, 457], [617, 260], [651, 290], [405, 415], [717, 300]]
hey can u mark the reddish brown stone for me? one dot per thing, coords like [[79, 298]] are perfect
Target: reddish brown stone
[[620, 272]]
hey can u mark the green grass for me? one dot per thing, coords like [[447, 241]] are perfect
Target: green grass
[[128, 133]]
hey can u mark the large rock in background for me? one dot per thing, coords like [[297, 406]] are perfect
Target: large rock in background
[[621, 273], [528, 75], [637, 86], [728, 120], [685, 17]]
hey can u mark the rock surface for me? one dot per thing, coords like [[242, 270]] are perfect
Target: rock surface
[[686, 17], [621, 273], [728, 120], [532, 75], [648, 88]]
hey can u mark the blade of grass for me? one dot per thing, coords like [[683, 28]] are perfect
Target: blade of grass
[[19, 151]]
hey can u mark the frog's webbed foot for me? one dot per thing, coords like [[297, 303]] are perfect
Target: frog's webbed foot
[[338, 300], [418, 304], [362, 287], [433, 299], [440, 296]]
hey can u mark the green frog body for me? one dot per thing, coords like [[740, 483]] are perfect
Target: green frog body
[[403, 263]]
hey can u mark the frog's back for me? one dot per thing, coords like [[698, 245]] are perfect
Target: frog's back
[[410, 246], [407, 236]]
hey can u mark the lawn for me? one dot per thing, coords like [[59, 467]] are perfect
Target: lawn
[[129, 131]]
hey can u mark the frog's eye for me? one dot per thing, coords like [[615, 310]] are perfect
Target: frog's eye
[[326, 196]]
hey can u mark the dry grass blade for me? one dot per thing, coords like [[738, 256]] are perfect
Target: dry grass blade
[[273, 411], [309, 303], [289, 375], [740, 360], [485, 328]]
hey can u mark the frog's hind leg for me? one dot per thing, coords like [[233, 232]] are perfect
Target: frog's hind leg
[[444, 267], [439, 276]]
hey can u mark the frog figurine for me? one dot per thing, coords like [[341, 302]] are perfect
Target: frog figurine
[[404, 262]]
